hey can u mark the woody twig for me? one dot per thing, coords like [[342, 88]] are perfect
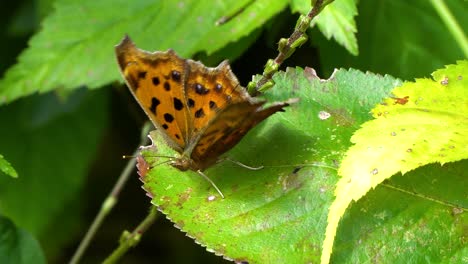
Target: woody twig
[[129, 240], [286, 48], [110, 200]]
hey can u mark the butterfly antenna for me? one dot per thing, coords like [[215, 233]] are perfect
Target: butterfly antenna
[[243, 165], [161, 163], [210, 181], [152, 156]]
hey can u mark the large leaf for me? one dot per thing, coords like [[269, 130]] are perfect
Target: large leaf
[[424, 122], [277, 214], [75, 46], [18, 246], [51, 144], [419, 217]]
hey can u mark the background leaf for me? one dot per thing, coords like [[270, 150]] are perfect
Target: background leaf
[[416, 218], [75, 46], [287, 201], [17, 245], [6, 167], [392, 42], [335, 21], [58, 141]]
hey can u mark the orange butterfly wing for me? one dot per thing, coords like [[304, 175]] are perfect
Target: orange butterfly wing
[[222, 111], [157, 82], [209, 90], [229, 127], [201, 112]]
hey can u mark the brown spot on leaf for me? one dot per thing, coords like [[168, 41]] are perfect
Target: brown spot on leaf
[[402, 100]]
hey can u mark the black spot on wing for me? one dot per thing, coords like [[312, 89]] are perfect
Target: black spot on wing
[[178, 104], [168, 117], [200, 89], [154, 103], [176, 76], [141, 75], [213, 105], [155, 81], [199, 113], [167, 86], [191, 103]]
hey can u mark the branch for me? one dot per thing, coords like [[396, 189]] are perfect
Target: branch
[[129, 240], [110, 200], [286, 48]]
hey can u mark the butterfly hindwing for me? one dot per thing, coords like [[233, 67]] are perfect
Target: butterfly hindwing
[[229, 127]]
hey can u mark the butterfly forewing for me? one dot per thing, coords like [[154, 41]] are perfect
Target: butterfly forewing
[[209, 90], [157, 80]]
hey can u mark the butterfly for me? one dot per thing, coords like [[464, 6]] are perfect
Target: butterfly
[[200, 112]]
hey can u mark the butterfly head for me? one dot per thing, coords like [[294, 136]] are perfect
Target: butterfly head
[[184, 163]]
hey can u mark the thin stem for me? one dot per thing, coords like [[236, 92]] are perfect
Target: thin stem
[[110, 200], [451, 24], [129, 240], [286, 48]]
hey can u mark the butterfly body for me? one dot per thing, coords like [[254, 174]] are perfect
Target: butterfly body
[[201, 112]]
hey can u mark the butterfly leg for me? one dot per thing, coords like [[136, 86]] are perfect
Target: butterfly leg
[[210, 181], [239, 163]]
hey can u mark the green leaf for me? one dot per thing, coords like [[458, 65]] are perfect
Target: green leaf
[[393, 39], [6, 167], [277, 214], [419, 217], [18, 246], [75, 46], [335, 21], [424, 122], [51, 143]]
